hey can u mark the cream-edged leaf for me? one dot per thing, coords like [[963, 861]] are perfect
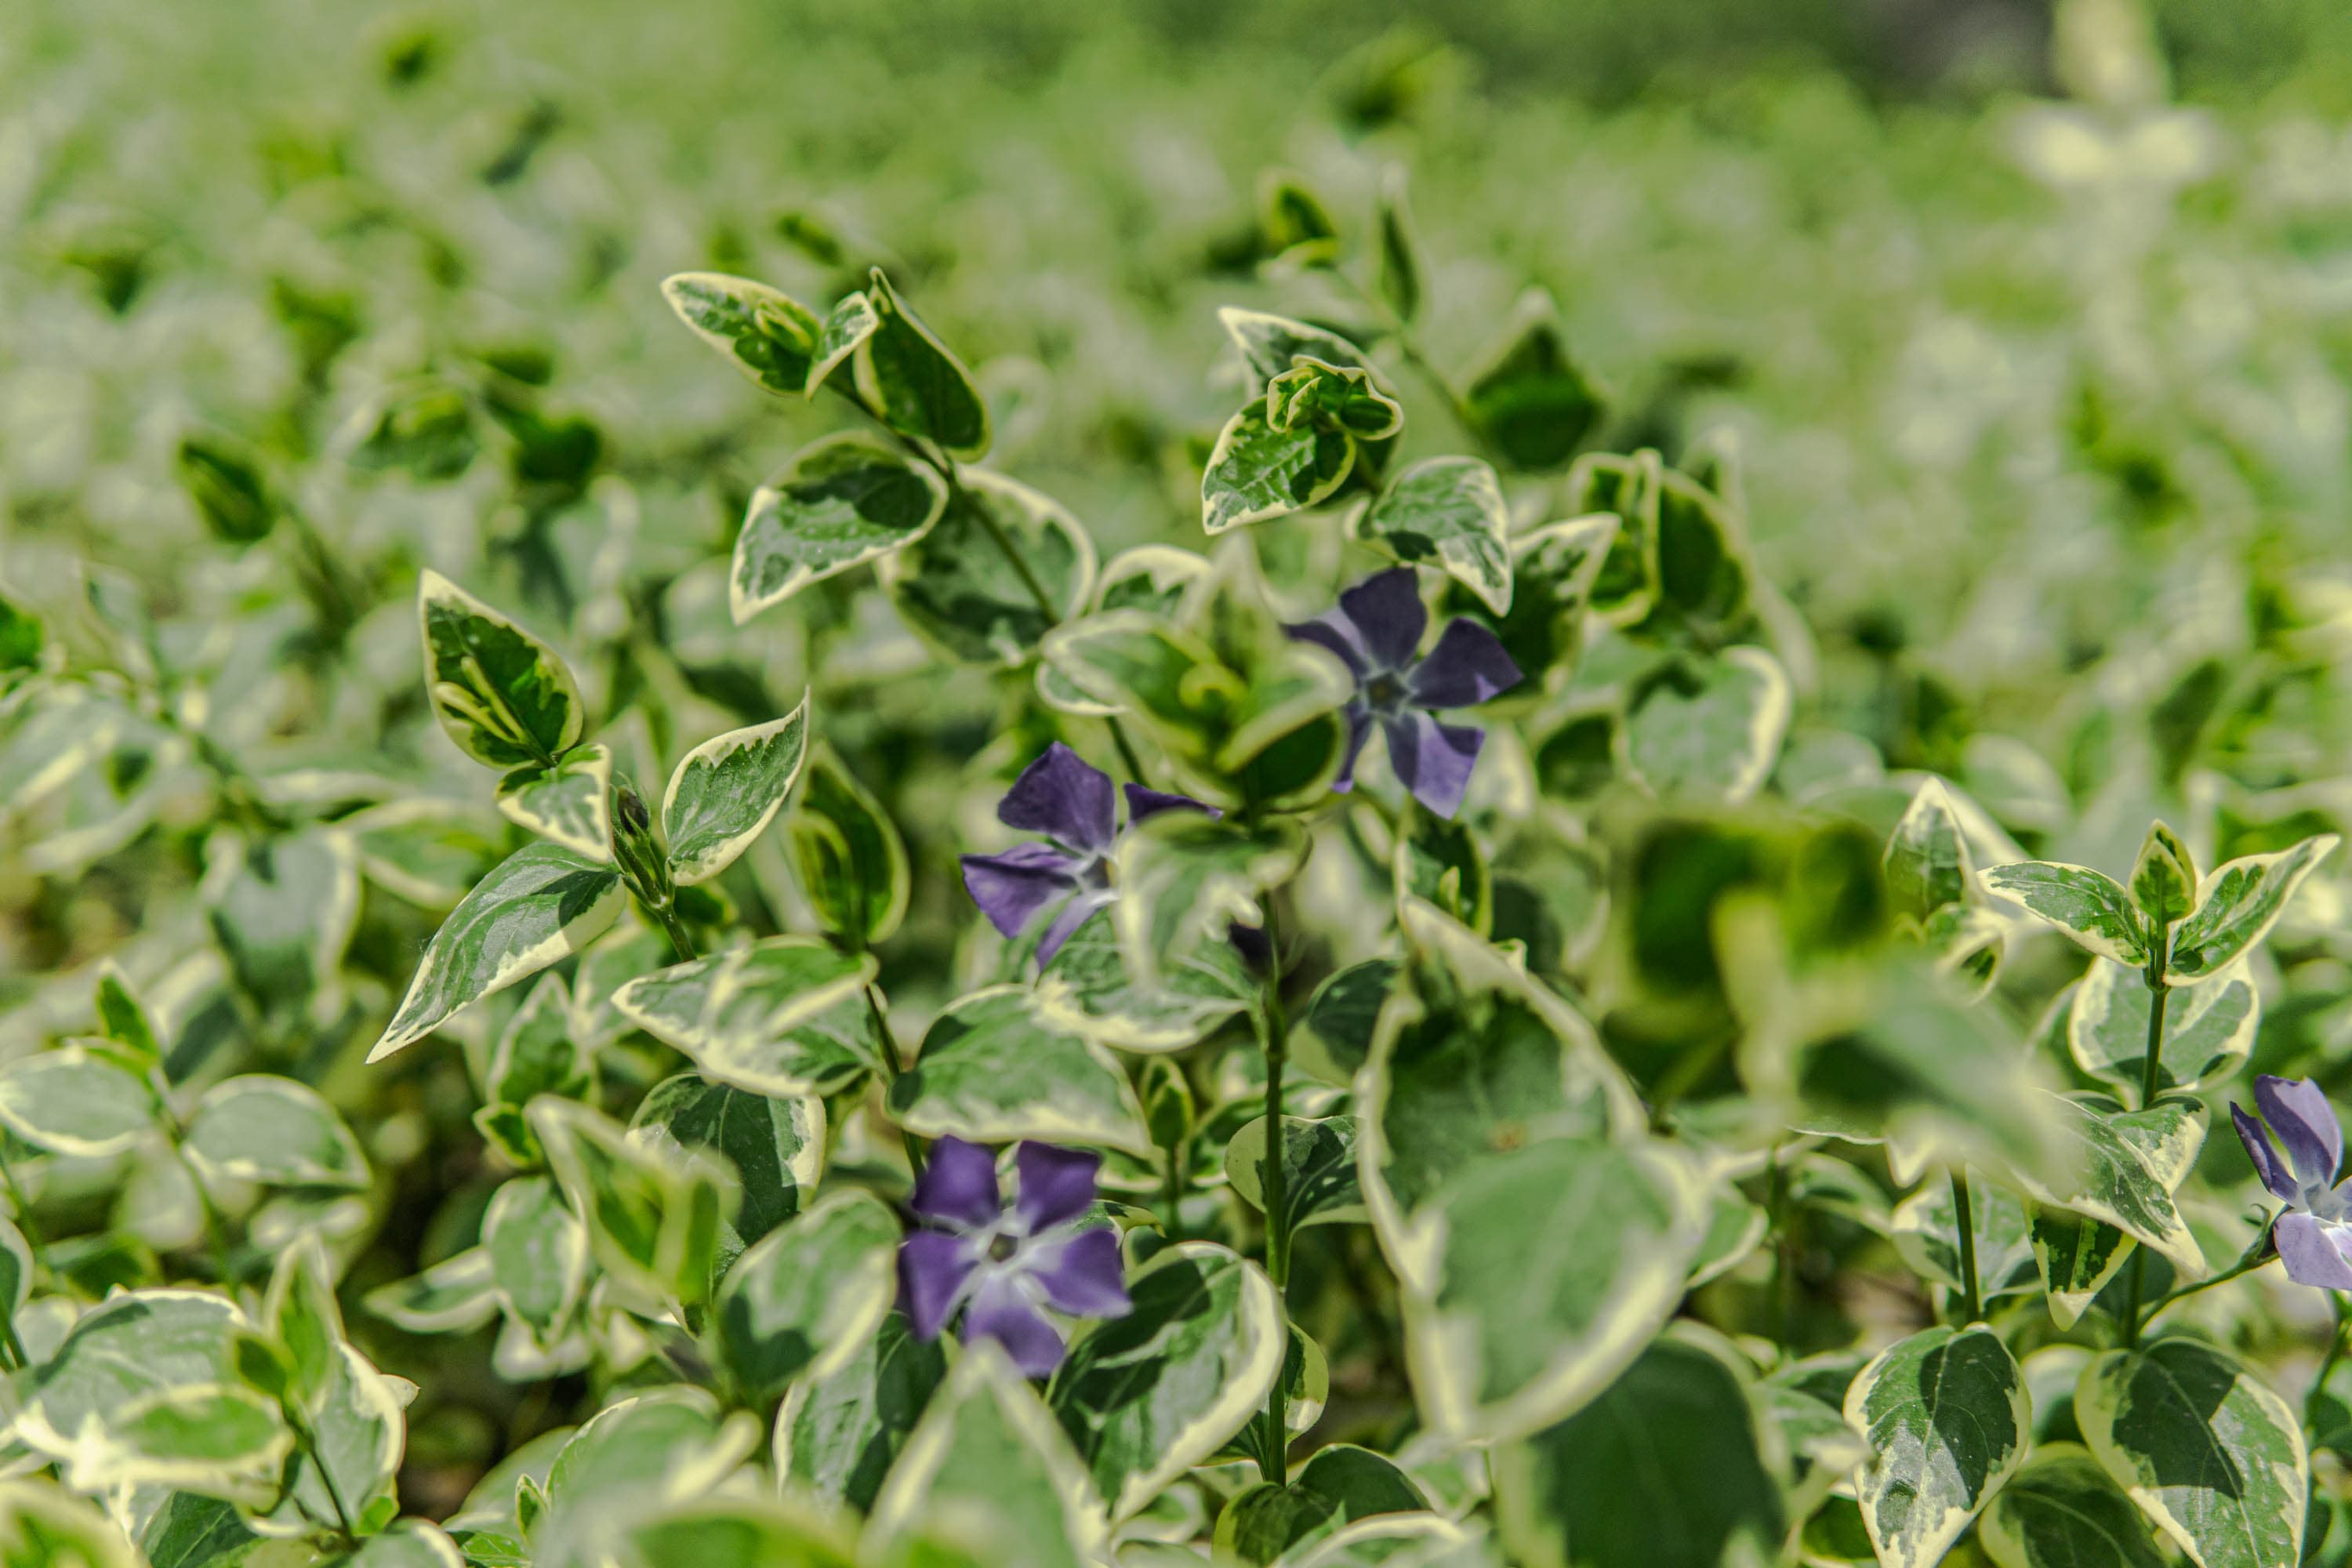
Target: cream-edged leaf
[[569, 803], [726, 790]]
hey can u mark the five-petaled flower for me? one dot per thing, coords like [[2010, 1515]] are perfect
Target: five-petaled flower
[[2314, 1237], [1072, 804], [1002, 1264], [1376, 631]]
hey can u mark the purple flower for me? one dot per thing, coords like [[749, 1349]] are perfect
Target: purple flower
[[1376, 631], [1072, 804], [2314, 1237], [1001, 1265]]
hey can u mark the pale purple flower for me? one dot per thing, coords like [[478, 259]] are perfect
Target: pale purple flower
[[1000, 1265], [1073, 805], [2314, 1237], [1376, 631]]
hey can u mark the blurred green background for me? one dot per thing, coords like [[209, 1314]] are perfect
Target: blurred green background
[[2035, 347]]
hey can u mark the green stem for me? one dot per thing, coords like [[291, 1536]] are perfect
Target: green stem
[[890, 1070], [23, 1206], [1271, 1185], [2255, 1257], [1775, 1211], [2150, 1065], [680, 942], [1971, 1297], [309, 1440]]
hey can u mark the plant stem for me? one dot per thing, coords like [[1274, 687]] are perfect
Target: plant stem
[[2259, 1254], [890, 1070], [1776, 1210], [309, 1440], [1971, 1297], [680, 942], [1271, 1183], [24, 1208], [2150, 1063]]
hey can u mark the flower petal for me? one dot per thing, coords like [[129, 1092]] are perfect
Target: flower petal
[[2267, 1164], [1013, 887], [932, 1268], [1084, 1275], [1388, 615], [1057, 1184], [1074, 914], [1434, 759], [2311, 1252], [1064, 797], [1467, 666], [1359, 729], [958, 1185], [2306, 1127], [1143, 802], [1334, 631], [1001, 1312]]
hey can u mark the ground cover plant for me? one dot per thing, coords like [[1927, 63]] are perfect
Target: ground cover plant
[[1301, 876]]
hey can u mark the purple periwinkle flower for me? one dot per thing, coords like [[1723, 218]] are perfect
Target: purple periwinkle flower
[[1376, 631], [1072, 804], [2314, 1237], [1000, 1265]]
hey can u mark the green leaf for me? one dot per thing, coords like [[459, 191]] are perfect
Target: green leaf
[[22, 640], [2122, 1168], [360, 1432], [914, 383], [74, 1102], [838, 503], [2089, 906], [987, 1465], [1526, 395], [407, 1543], [281, 908], [1550, 1267], [1271, 344], [42, 1525], [991, 1069], [1447, 512], [851, 321], [1132, 661], [182, 1531], [2209, 1025], [540, 904], [2207, 1451], [1150, 578], [1147, 1396], [1470, 1061], [1440, 862], [263, 1128], [767, 334], [654, 1216], [2237, 905], [786, 1015], [123, 1019], [725, 791], [837, 1436], [1947, 1417], [1306, 1389], [1342, 1017], [776, 1147], [2061, 1511], [1185, 876], [1336, 1486], [504, 696], [1704, 576], [1258, 471], [1553, 570], [1089, 990], [16, 1270], [959, 589], [568, 802], [1926, 1233], [2164, 879], [539, 1052], [537, 1252], [207, 1437], [634, 1458], [130, 1347], [457, 1294], [2076, 1256], [425, 851], [1710, 729], [1927, 864], [1663, 1469], [1292, 220], [1340, 398], [737, 1533], [1397, 270], [804, 1299], [1319, 1165], [851, 862]]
